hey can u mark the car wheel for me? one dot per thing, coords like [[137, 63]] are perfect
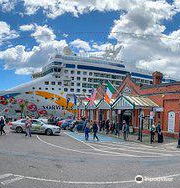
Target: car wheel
[[19, 129], [49, 132]]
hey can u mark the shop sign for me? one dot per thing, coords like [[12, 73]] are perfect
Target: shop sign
[[171, 122], [158, 109]]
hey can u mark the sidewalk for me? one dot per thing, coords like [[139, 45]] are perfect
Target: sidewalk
[[168, 142]]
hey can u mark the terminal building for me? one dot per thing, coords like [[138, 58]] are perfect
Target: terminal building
[[133, 102]]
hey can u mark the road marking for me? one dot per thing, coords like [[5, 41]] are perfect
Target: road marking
[[136, 151], [5, 176], [20, 177], [142, 148], [78, 151], [10, 181], [105, 153], [96, 149]]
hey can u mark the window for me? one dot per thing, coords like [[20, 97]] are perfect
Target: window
[[66, 71], [59, 83], [84, 90], [72, 72], [78, 78], [46, 88], [72, 90], [90, 79], [59, 88], [78, 84], [78, 90], [39, 88], [90, 74], [33, 88], [53, 83], [65, 89], [84, 73], [46, 83], [78, 72], [52, 88], [72, 78], [84, 79], [72, 84], [84, 85]]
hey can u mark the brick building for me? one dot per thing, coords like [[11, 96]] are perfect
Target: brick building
[[159, 102]]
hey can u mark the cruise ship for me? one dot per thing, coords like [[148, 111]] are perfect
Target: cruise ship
[[64, 80]]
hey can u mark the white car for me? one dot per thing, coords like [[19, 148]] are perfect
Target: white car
[[38, 126]]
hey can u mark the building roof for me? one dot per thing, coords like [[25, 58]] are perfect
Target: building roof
[[133, 102]]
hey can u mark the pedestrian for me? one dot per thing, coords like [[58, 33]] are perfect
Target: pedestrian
[[87, 130], [127, 131], [2, 125], [95, 130], [159, 133], [117, 129], [107, 127], [100, 125], [124, 129], [152, 132], [28, 126], [103, 125]]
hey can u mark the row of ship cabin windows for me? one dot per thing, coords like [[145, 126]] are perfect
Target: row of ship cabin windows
[[95, 74], [66, 89]]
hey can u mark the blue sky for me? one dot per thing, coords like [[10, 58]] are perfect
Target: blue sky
[[161, 20]]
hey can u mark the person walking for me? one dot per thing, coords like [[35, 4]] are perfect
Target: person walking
[[86, 131], [152, 132], [28, 125], [159, 133], [124, 129], [2, 125], [95, 130], [107, 127]]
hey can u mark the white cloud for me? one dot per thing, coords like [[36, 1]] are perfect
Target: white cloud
[[6, 33], [80, 44], [56, 8], [140, 30], [28, 27], [7, 5], [24, 61], [43, 34]]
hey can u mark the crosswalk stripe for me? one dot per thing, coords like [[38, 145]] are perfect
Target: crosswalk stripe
[[5, 176], [6, 182]]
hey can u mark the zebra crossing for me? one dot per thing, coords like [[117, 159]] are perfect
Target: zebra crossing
[[6, 179]]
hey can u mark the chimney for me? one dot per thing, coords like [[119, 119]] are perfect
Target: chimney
[[157, 78]]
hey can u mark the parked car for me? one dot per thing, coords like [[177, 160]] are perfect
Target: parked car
[[38, 126], [77, 125], [65, 124]]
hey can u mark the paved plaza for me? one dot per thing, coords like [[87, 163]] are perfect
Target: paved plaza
[[68, 161]]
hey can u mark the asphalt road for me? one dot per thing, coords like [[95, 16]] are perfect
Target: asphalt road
[[68, 161]]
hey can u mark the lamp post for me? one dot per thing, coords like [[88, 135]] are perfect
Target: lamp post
[[178, 146], [140, 125]]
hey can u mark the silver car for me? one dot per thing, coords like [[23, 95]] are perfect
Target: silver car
[[38, 126]]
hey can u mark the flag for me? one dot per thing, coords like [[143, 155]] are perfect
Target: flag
[[68, 100], [93, 97], [75, 100], [109, 92]]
